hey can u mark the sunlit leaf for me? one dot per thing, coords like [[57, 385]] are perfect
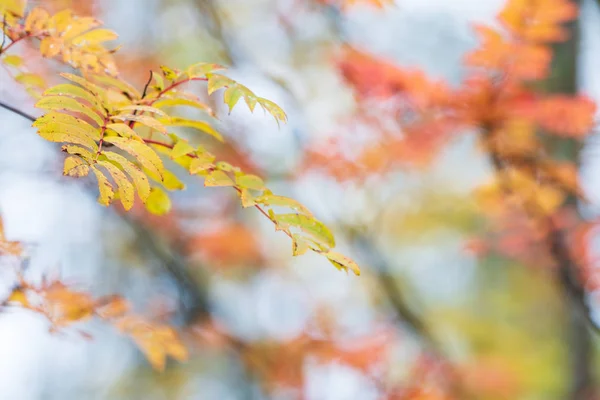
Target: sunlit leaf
[[106, 190], [342, 262], [140, 180], [200, 125], [124, 186], [69, 104], [143, 153], [76, 167], [218, 178], [158, 202]]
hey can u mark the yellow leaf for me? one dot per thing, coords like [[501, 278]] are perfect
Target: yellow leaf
[[69, 104], [342, 262], [125, 131], [14, 7], [124, 187], [171, 182], [18, 296], [270, 199], [158, 202], [248, 181], [78, 151], [94, 89], [155, 341], [202, 69], [143, 153], [218, 178], [50, 46], [76, 167], [36, 20], [144, 120], [32, 80], [203, 162], [106, 189], [117, 84], [232, 95], [68, 123], [94, 37], [308, 224], [66, 89], [273, 109], [217, 81], [61, 20], [178, 101], [169, 73], [12, 60], [200, 125], [181, 148], [299, 245], [77, 26], [137, 107], [140, 180]]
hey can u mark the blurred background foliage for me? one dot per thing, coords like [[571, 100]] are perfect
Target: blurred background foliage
[[433, 307]]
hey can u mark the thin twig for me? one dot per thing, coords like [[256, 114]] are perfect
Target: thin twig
[[17, 111]]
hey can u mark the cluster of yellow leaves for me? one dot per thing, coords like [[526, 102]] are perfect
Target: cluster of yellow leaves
[[77, 40], [63, 306], [92, 114]]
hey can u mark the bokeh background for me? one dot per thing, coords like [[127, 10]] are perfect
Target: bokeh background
[[259, 323]]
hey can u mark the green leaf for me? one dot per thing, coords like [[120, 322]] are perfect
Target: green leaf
[[143, 153], [106, 189], [218, 178], [181, 148], [124, 187], [140, 180], [200, 125], [69, 104], [342, 262], [75, 167], [158, 203], [307, 224]]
